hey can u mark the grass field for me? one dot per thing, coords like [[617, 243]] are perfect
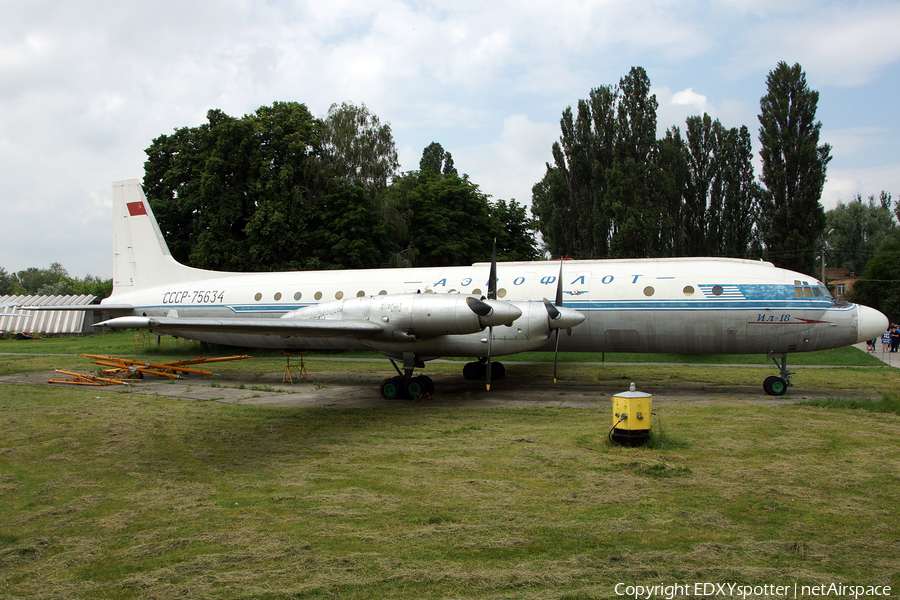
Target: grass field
[[114, 495]]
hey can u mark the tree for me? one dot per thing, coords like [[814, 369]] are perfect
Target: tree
[[515, 238], [793, 169], [449, 221], [641, 222], [857, 230], [570, 202], [880, 283], [436, 160], [8, 282], [206, 183], [672, 158], [359, 148], [32, 279], [739, 234]]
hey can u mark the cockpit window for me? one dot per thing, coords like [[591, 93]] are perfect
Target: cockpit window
[[803, 289]]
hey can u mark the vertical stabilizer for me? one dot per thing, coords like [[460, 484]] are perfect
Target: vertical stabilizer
[[141, 257]]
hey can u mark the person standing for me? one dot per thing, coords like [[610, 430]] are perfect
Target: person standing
[[895, 338], [886, 341]]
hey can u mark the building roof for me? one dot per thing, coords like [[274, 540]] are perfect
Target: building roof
[[43, 321]]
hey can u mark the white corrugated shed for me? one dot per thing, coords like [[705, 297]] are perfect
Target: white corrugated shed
[[45, 321]]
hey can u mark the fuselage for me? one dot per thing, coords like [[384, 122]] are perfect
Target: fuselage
[[682, 305]]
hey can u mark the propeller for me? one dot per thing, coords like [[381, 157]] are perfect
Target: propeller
[[491, 295], [554, 313]]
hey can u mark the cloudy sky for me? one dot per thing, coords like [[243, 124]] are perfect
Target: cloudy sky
[[86, 85]]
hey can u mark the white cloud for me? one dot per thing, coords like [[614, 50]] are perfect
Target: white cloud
[[508, 167], [85, 87], [844, 184]]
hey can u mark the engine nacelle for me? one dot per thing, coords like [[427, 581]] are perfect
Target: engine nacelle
[[414, 316]]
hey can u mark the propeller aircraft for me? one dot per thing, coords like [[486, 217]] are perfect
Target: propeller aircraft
[[412, 315]]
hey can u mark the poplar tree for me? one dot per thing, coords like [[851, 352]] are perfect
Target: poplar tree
[[793, 170]]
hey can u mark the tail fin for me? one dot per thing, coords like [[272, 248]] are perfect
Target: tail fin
[[141, 257]]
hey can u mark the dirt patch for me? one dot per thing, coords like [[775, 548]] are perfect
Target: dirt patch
[[361, 390]]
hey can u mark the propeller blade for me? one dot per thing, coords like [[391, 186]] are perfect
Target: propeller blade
[[559, 290], [491, 295], [559, 302], [487, 370], [482, 309], [552, 311], [492, 278], [555, 354]]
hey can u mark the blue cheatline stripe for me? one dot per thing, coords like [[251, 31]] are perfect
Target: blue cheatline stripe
[[696, 305]]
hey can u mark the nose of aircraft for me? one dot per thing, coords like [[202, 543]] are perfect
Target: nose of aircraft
[[870, 323]]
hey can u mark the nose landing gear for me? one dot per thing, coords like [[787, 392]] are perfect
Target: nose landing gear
[[775, 385]]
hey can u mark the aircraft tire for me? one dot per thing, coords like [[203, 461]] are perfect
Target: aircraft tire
[[391, 389], [474, 371], [415, 388], [498, 371], [427, 384], [775, 386]]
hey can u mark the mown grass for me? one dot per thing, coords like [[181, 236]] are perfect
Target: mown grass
[[109, 495]]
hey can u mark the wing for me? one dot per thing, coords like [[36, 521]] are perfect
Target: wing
[[280, 327]]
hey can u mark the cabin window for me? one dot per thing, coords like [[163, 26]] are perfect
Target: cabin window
[[277, 296], [649, 291], [360, 294], [717, 290], [318, 295], [798, 291], [257, 297], [501, 293], [688, 290], [817, 292], [382, 293], [297, 295], [338, 295], [476, 292], [451, 291]]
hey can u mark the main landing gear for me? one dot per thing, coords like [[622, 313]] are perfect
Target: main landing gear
[[404, 385], [476, 370], [775, 385]]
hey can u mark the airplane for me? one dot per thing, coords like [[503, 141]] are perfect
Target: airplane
[[485, 310]]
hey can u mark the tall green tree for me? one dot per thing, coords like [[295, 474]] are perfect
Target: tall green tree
[[793, 169], [702, 204], [359, 148], [225, 189], [570, 202], [672, 158], [739, 230], [641, 221]]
